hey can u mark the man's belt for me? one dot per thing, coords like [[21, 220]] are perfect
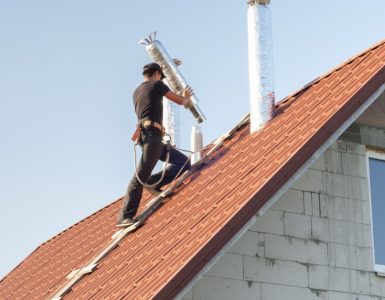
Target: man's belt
[[145, 124], [148, 123]]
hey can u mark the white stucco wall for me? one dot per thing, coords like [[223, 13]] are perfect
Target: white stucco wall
[[314, 243]]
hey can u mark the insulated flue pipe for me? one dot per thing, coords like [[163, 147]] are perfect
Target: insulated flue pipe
[[171, 118], [261, 72], [196, 143], [174, 77]]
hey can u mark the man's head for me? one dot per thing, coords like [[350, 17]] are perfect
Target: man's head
[[153, 69]]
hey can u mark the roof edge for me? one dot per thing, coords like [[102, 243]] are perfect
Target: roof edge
[[56, 236], [326, 74]]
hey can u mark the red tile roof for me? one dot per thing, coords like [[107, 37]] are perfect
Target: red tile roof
[[161, 257]]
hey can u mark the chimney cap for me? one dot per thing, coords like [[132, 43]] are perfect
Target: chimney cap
[[255, 2]]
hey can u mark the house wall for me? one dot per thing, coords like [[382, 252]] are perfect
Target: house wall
[[314, 243]]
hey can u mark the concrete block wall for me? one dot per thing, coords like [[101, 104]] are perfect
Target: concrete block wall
[[314, 243]]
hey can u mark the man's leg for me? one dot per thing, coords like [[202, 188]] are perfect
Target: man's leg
[[150, 156], [177, 161]]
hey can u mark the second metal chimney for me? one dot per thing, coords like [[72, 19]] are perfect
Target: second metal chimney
[[261, 72]]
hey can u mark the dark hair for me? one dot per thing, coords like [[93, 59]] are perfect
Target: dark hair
[[149, 73]]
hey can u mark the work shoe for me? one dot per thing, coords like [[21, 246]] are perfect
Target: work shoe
[[125, 222]]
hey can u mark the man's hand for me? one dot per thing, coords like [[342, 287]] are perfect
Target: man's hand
[[184, 99], [188, 92]]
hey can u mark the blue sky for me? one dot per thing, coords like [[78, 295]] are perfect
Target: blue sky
[[68, 69]]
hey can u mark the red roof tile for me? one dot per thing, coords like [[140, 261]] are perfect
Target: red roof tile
[[161, 257]]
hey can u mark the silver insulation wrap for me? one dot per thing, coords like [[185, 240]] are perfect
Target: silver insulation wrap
[[174, 77], [261, 72], [196, 143], [171, 119]]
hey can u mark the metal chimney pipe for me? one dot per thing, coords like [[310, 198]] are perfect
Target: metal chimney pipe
[[171, 120], [261, 72], [196, 143], [174, 77]]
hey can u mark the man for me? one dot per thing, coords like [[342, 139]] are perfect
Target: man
[[149, 110]]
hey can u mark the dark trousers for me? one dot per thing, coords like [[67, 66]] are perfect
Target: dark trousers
[[153, 149]]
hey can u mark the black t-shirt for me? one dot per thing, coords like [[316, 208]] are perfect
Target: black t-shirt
[[148, 100]]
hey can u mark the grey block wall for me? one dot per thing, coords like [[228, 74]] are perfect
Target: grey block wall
[[314, 243]]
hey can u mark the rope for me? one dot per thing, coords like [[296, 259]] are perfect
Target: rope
[[176, 176], [164, 168]]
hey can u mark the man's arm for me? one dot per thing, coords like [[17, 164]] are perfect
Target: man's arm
[[181, 100], [177, 98]]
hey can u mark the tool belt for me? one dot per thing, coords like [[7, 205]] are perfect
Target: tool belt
[[144, 124]]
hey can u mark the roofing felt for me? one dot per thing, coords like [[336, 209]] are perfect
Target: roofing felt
[[160, 258]]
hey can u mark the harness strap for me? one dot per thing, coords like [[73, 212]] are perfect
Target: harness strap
[[144, 124]]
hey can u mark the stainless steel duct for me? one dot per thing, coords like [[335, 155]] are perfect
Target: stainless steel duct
[[174, 77], [196, 143], [261, 72]]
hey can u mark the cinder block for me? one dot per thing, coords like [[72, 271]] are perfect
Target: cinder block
[[294, 249], [364, 258], [359, 281], [356, 209], [372, 136], [333, 184], [251, 243], [338, 296], [275, 271], [320, 229], [342, 232], [344, 209], [334, 207], [366, 218], [229, 266], [339, 146], [319, 277], [345, 186], [377, 285], [311, 181], [269, 222], [364, 297], [363, 236], [342, 256], [330, 161], [308, 203], [350, 257], [297, 225], [279, 292], [339, 279], [363, 188], [355, 148], [315, 203], [354, 165], [291, 201], [329, 278], [319, 164], [225, 289]]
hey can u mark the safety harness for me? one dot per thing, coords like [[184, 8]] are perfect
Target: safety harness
[[144, 123], [136, 137]]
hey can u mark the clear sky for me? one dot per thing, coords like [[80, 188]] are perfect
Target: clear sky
[[68, 69]]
